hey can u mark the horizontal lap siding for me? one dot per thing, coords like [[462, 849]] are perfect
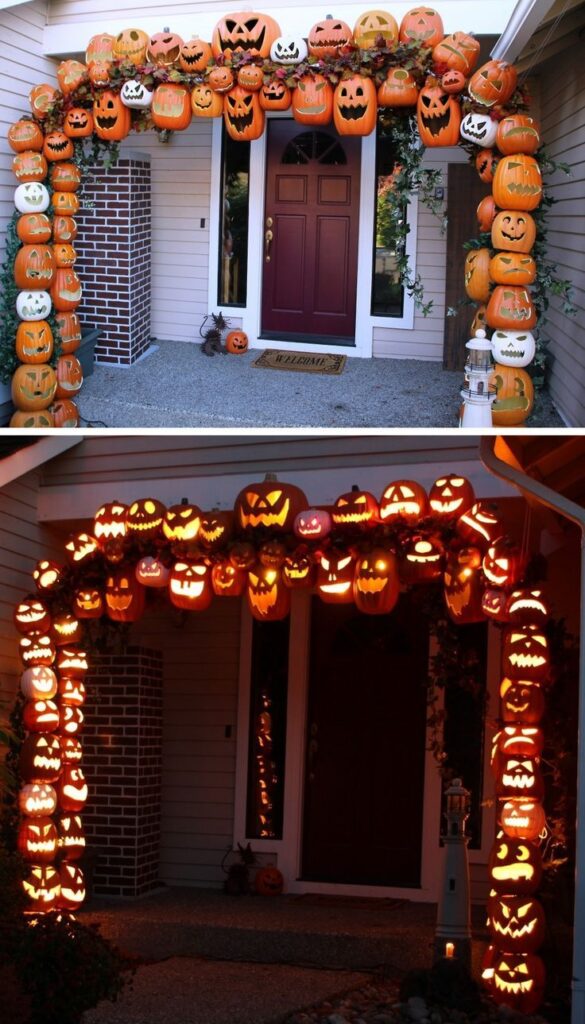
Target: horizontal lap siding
[[563, 129]]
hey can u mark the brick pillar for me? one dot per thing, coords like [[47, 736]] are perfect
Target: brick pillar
[[113, 246], [122, 740]]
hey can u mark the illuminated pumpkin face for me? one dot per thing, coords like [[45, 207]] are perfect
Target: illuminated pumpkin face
[[145, 517], [66, 629], [376, 586], [36, 649], [356, 508], [328, 36], [246, 33], [513, 348], [335, 574], [38, 683], [522, 818], [190, 585], [269, 504], [72, 661], [312, 100], [438, 115], [514, 231], [519, 777], [242, 555], [527, 606], [515, 866], [71, 719], [71, 836], [151, 572], [88, 603], [71, 750], [404, 501], [525, 653], [71, 691], [268, 598], [72, 789], [450, 496], [272, 554], [422, 558], [32, 616], [289, 50], [42, 886], [40, 716], [78, 123], [81, 547], [37, 840], [521, 701], [124, 597], [463, 586], [40, 758], [312, 524], [135, 95], [110, 522], [516, 979], [37, 800], [226, 580], [205, 102], [215, 529], [423, 25], [299, 571], [503, 562], [525, 740], [194, 55], [479, 525], [479, 129], [182, 522], [72, 892]]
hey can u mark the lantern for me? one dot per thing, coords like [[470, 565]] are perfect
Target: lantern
[[31, 615], [25, 135], [516, 923], [221, 79], [31, 197], [519, 776], [135, 95], [72, 892], [78, 123], [33, 227], [72, 789], [268, 598], [64, 230], [376, 586], [299, 570], [226, 580], [515, 866], [46, 575], [522, 818], [512, 268], [72, 661], [40, 758], [37, 840], [40, 716], [205, 102], [88, 603], [181, 522], [463, 585], [57, 146], [66, 292], [527, 606], [422, 559], [355, 508], [355, 106], [151, 572], [215, 529], [145, 517], [503, 562], [269, 504], [71, 836], [398, 90], [110, 522], [438, 115], [37, 799], [36, 649], [111, 118], [124, 596], [518, 133], [493, 83], [41, 887], [251, 77], [521, 701], [30, 166], [479, 525], [459, 51], [130, 44], [326, 38], [71, 750], [190, 585], [163, 48], [274, 96], [525, 653], [403, 501], [34, 266], [38, 683], [71, 691], [81, 547], [335, 573], [450, 496], [66, 629], [312, 524], [515, 979], [244, 33], [32, 305], [33, 386], [268, 881], [520, 739], [513, 348]]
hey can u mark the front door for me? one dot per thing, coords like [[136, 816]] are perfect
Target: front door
[[310, 234], [366, 730]]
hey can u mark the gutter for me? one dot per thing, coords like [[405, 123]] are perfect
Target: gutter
[[526, 18], [26, 459], [576, 514]]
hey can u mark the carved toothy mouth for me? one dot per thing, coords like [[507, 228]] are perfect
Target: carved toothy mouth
[[436, 123], [187, 588], [518, 781], [513, 987], [351, 517], [243, 44], [400, 508], [353, 113], [513, 872], [105, 122], [312, 110], [335, 588], [514, 933], [241, 121], [267, 518], [58, 147], [445, 507], [527, 660], [52, 764], [211, 535], [371, 584], [324, 44], [531, 604], [516, 188], [40, 846]]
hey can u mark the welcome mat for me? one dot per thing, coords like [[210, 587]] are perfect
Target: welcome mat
[[302, 362]]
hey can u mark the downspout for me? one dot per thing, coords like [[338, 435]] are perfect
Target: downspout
[[576, 514]]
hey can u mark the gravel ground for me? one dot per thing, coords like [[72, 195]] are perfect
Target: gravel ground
[[175, 385]]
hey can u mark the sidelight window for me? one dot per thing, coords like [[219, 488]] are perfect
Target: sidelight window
[[387, 286], [233, 227]]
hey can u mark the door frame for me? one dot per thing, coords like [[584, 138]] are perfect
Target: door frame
[[250, 315]]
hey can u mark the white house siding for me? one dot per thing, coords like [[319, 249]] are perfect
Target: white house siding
[[563, 130]]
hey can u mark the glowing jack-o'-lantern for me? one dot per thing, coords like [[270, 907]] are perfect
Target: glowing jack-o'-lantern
[[519, 776], [313, 524], [525, 653], [151, 572], [422, 25], [37, 840], [450, 496], [514, 979], [527, 606], [110, 522], [299, 570], [72, 661], [269, 881], [37, 799], [244, 32], [40, 758], [226, 580], [42, 886], [182, 522], [312, 100], [521, 701], [479, 129], [503, 563], [522, 818], [31, 615], [88, 603], [36, 649], [335, 573], [403, 501], [289, 50], [399, 89], [463, 585], [422, 558], [71, 750], [513, 348], [514, 387], [376, 586], [242, 555], [215, 529], [272, 554], [66, 628], [355, 508], [190, 585], [326, 38], [71, 837], [373, 26], [124, 596], [269, 504], [479, 525], [355, 106], [522, 739], [72, 893], [145, 517], [81, 547], [40, 716], [71, 691], [268, 598], [38, 683], [515, 866], [72, 789], [438, 115]]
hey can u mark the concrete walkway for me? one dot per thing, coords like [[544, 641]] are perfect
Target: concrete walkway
[[175, 385]]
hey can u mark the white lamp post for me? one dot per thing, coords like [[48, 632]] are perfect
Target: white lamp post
[[479, 394], [453, 931]]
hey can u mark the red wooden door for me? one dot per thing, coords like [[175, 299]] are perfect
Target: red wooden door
[[311, 234], [364, 780]]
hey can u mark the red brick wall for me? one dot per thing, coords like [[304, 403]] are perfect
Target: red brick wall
[[113, 246], [122, 740]]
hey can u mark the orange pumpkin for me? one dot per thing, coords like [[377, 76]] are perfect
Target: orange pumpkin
[[398, 90], [515, 396], [459, 51], [453, 81], [111, 118], [130, 44], [438, 115], [65, 203], [312, 100], [494, 82], [69, 330], [164, 48], [275, 95], [65, 177], [99, 74], [171, 107], [512, 268], [355, 106], [477, 277], [242, 115], [269, 881], [251, 77], [486, 212], [33, 387], [34, 266], [41, 420], [30, 166], [327, 37], [236, 342], [195, 55], [70, 75], [24, 135], [64, 254], [69, 376], [421, 25], [64, 228], [57, 146], [373, 26], [513, 230], [33, 227], [244, 32], [510, 307], [221, 79], [205, 102], [518, 133], [517, 183], [34, 341], [41, 97], [100, 48], [65, 413], [66, 289], [485, 164]]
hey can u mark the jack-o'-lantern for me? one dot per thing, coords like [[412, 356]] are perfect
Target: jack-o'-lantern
[[313, 524], [65, 628], [57, 146], [70, 75], [493, 83], [37, 840], [64, 228], [171, 107], [422, 25], [245, 32], [355, 106], [335, 573], [194, 55], [503, 562], [181, 522], [72, 718], [403, 501], [88, 603], [164, 48], [65, 203], [36, 649], [270, 504], [40, 758], [41, 887], [289, 50], [355, 508], [236, 342], [250, 77], [135, 95], [463, 585], [47, 575], [31, 615], [190, 585], [450, 496], [37, 799], [479, 525], [81, 547], [376, 586], [242, 114], [66, 290], [272, 553], [515, 866], [72, 691], [486, 212], [215, 529], [479, 129], [151, 572], [519, 776], [99, 48], [65, 255], [40, 716], [41, 98], [525, 653], [72, 661], [38, 683], [72, 892], [30, 166], [110, 522], [521, 701], [242, 555], [326, 38], [422, 558], [71, 837], [221, 79], [438, 115], [453, 81], [299, 570], [25, 135], [527, 606], [522, 818], [124, 596], [72, 789], [513, 348], [512, 268], [515, 396], [399, 89], [527, 740], [99, 74], [71, 750], [515, 979], [517, 183], [268, 598], [130, 44], [518, 133], [31, 305], [69, 376], [205, 102], [516, 923], [226, 580], [41, 420], [312, 100], [111, 118], [275, 95], [477, 277], [114, 551], [268, 881], [33, 227], [459, 51], [373, 26], [485, 164], [144, 518]]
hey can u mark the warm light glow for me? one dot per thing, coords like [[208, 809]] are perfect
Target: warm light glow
[[449, 950]]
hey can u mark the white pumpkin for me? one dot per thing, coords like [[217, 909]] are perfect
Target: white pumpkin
[[289, 50], [479, 128], [513, 348], [33, 305], [135, 95], [31, 197]]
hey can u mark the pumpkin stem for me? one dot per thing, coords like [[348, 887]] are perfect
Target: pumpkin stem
[[270, 477]]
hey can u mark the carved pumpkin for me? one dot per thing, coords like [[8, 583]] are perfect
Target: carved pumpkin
[[514, 231], [515, 396], [41, 887], [250, 77], [71, 751], [422, 558], [99, 74], [477, 277], [526, 740], [124, 596], [171, 107], [72, 789], [40, 716], [494, 82], [289, 50], [398, 90], [181, 522], [65, 176], [526, 653], [355, 106], [66, 291], [450, 496], [244, 32], [190, 585], [503, 562], [215, 529], [205, 102], [72, 661], [299, 571], [34, 341], [164, 48], [65, 255], [438, 115], [33, 386], [326, 38], [71, 719], [40, 758], [485, 164], [72, 690], [268, 598], [31, 197], [100, 48], [518, 133], [516, 923], [88, 603], [65, 203], [36, 649], [41, 98], [521, 701], [65, 629], [33, 227], [459, 51], [40, 420], [242, 555], [65, 413], [57, 146], [272, 553], [269, 881], [69, 376], [71, 837], [463, 585], [64, 228], [37, 799], [242, 114], [515, 979], [403, 501], [269, 504], [313, 524], [194, 55], [111, 117], [355, 508], [135, 95], [510, 306], [522, 818], [312, 100], [130, 44], [376, 586], [453, 81], [226, 580], [70, 75], [479, 129], [221, 79], [515, 866], [517, 183], [236, 342], [486, 213], [275, 95], [31, 615], [72, 893], [37, 840], [38, 683], [527, 606], [374, 26], [422, 25], [47, 575], [110, 522], [78, 123], [30, 166], [479, 525], [519, 777], [25, 135], [144, 518], [151, 572], [335, 573], [513, 348]]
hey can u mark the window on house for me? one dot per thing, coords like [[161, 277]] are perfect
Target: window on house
[[387, 288], [233, 228]]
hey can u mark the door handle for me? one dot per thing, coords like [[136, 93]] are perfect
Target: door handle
[[268, 236]]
